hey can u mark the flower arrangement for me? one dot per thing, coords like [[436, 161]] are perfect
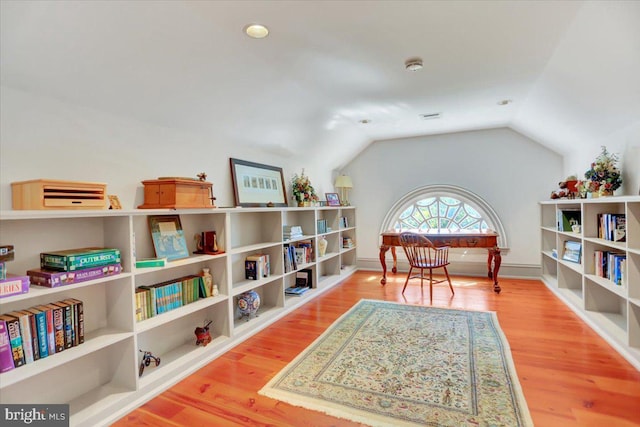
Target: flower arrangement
[[603, 176], [302, 189]]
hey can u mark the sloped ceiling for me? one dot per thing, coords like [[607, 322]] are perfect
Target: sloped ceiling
[[327, 65]]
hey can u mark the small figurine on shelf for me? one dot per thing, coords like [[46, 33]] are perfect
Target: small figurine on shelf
[[146, 361], [202, 334]]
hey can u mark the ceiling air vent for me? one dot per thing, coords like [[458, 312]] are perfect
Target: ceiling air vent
[[430, 116]]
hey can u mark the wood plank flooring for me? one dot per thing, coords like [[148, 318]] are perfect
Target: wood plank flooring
[[570, 376]]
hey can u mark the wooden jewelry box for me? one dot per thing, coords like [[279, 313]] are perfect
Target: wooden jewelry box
[[56, 194], [177, 194]]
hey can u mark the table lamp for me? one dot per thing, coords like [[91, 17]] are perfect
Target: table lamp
[[343, 182]]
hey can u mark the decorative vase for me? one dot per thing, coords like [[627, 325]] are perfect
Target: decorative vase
[[322, 246], [248, 304], [606, 193], [207, 278]]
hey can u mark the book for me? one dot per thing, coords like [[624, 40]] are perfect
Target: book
[[14, 285], [251, 269], [304, 278], [15, 339], [67, 323], [24, 330], [50, 331], [78, 259], [53, 279], [6, 355], [78, 320], [3, 270], [151, 262], [57, 314], [41, 339], [296, 290]]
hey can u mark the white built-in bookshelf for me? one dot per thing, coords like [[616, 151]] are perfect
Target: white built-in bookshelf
[[612, 309], [99, 378]]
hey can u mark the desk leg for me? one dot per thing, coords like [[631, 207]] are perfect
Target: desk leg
[[383, 251], [494, 255]]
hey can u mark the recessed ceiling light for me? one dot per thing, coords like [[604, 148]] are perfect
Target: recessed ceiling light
[[413, 64], [256, 31], [364, 121], [505, 102]]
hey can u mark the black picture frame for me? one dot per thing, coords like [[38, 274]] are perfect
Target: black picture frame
[[257, 185]]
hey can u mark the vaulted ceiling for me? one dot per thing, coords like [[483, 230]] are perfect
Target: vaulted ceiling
[[569, 68]]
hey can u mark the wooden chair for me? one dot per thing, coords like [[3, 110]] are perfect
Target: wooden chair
[[423, 255]]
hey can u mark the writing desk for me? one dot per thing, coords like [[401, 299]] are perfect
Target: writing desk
[[453, 239]]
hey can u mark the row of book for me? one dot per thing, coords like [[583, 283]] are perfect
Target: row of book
[[611, 265], [38, 332], [257, 266], [296, 254], [303, 283], [344, 222], [166, 296], [612, 227]]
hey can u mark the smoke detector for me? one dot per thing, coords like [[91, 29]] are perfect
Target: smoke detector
[[413, 64]]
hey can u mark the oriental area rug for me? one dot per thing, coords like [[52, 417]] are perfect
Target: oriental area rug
[[390, 364]]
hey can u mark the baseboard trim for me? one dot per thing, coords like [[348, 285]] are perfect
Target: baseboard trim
[[514, 271]]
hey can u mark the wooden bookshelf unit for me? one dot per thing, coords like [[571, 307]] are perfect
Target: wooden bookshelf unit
[[611, 308], [110, 355]]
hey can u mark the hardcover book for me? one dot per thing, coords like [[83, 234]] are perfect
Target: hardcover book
[[151, 262], [40, 318], [297, 290], [24, 329], [15, 339], [67, 316], [50, 331], [78, 259], [6, 355], [14, 285], [53, 279], [78, 320], [58, 326]]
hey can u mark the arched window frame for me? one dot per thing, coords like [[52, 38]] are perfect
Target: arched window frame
[[485, 210]]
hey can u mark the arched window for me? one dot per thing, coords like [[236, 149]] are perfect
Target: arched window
[[443, 207]]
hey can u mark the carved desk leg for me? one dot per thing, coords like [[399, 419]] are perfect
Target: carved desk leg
[[394, 269], [383, 250], [494, 255]]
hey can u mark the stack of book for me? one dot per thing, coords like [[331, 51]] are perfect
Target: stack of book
[[38, 332], [347, 243], [291, 232], [289, 253], [75, 265], [322, 226], [303, 252], [303, 283]]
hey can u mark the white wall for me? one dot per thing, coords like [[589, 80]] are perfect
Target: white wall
[[42, 137], [511, 172]]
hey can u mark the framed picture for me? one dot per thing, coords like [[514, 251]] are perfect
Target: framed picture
[[114, 202], [255, 184], [572, 251], [332, 199], [168, 237]]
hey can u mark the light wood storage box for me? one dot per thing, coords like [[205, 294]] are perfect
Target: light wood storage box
[[177, 194], [55, 194]]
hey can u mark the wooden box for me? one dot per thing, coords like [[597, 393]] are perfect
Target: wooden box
[[177, 194], [55, 194]]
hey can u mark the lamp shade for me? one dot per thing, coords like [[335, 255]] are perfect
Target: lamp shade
[[343, 181]]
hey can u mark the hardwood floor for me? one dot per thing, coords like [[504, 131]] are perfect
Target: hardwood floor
[[569, 375]]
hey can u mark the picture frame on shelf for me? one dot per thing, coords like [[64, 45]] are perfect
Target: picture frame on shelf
[[168, 237], [572, 251], [333, 199], [114, 202], [256, 184]]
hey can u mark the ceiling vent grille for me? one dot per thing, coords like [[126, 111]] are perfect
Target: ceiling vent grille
[[430, 116]]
